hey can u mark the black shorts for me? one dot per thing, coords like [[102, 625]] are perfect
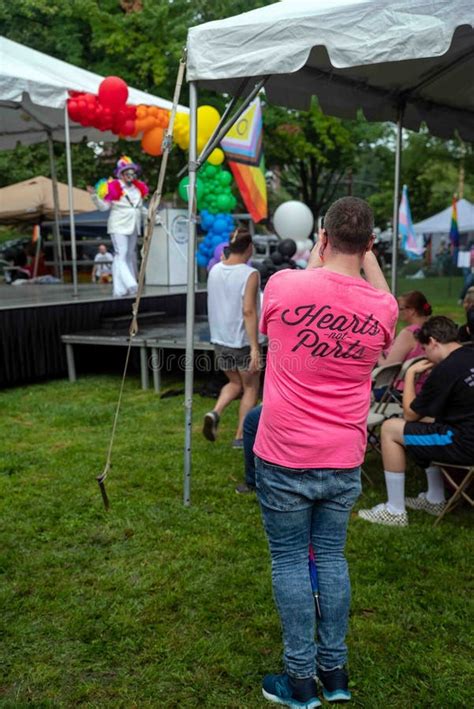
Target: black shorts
[[426, 442], [232, 358]]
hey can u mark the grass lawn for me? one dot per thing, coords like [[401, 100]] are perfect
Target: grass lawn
[[441, 292], [155, 605]]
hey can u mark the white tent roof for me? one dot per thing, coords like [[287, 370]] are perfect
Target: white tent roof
[[369, 54], [33, 92], [440, 223]]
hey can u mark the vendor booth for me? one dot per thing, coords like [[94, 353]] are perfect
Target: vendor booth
[[406, 61]]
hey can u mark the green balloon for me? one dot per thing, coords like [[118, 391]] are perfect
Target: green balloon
[[183, 189], [211, 170], [225, 178], [223, 202]]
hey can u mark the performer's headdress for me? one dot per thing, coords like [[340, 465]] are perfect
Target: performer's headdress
[[125, 163]]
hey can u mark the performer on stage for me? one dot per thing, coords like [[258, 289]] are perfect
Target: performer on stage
[[124, 198]]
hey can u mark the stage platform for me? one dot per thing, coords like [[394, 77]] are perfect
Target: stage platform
[[34, 317]]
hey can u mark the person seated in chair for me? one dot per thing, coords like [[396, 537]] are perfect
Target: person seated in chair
[[447, 397], [466, 331]]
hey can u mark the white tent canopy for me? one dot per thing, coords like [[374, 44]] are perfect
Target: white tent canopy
[[401, 60], [33, 92], [376, 55], [440, 223]]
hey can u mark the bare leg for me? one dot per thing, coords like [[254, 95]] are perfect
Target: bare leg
[[393, 448], [250, 383], [229, 391]]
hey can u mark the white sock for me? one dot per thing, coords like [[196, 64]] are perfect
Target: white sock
[[395, 483], [435, 481]]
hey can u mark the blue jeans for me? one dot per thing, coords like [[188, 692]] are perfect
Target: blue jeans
[[250, 432], [299, 507]]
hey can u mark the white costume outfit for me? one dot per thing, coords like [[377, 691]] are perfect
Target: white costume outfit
[[124, 226]]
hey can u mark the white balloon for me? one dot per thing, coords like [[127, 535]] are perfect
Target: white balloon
[[293, 220], [300, 246]]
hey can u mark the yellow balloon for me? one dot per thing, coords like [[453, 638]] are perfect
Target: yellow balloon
[[207, 119], [181, 130], [216, 157], [201, 142]]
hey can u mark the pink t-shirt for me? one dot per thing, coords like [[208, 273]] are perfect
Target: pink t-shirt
[[326, 332]]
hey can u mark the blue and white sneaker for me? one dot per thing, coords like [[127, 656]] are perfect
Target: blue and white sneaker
[[335, 684], [291, 692]]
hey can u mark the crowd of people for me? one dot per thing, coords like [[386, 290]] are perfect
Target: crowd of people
[[327, 328]]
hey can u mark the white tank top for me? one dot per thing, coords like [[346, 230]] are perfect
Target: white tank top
[[225, 298]]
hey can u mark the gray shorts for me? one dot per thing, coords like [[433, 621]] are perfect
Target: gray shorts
[[232, 358]]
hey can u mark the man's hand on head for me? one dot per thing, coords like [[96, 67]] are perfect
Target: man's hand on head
[[316, 256]]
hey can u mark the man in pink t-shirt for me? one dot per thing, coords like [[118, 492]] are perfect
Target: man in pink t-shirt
[[326, 328]]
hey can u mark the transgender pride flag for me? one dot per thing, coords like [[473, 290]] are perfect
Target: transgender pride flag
[[412, 243]]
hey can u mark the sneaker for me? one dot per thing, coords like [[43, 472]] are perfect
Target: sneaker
[[244, 489], [380, 515], [211, 422], [335, 684], [238, 443], [291, 692], [422, 503]]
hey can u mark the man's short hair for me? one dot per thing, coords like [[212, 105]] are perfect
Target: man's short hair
[[239, 241], [349, 224], [440, 328]]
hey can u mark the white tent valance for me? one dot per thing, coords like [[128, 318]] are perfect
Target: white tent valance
[[34, 88], [440, 223], [376, 55]]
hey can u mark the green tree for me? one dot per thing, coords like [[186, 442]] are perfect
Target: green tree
[[138, 40], [320, 158]]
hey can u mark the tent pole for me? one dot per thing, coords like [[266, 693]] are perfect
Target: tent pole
[[190, 295], [396, 198], [57, 234], [71, 201]]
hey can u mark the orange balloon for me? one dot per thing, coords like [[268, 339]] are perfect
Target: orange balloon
[[152, 141], [142, 111], [153, 111]]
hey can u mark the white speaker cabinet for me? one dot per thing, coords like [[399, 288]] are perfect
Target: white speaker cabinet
[[168, 258]]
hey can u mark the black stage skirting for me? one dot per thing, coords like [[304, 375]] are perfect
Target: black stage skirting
[[31, 348]]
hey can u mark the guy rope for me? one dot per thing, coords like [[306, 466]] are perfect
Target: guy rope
[[150, 223]]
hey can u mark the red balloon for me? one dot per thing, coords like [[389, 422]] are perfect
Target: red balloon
[[113, 92], [128, 128], [73, 110], [131, 112]]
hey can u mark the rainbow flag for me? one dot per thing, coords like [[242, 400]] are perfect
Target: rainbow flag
[[412, 243], [454, 229], [243, 148]]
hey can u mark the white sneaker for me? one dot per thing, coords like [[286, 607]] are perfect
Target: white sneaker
[[380, 515], [422, 503]]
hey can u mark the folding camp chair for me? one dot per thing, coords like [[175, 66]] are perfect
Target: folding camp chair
[[390, 405], [461, 489], [384, 377]]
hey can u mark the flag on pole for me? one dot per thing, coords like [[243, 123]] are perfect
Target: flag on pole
[[412, 243], [243, 148], [454, 229]]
